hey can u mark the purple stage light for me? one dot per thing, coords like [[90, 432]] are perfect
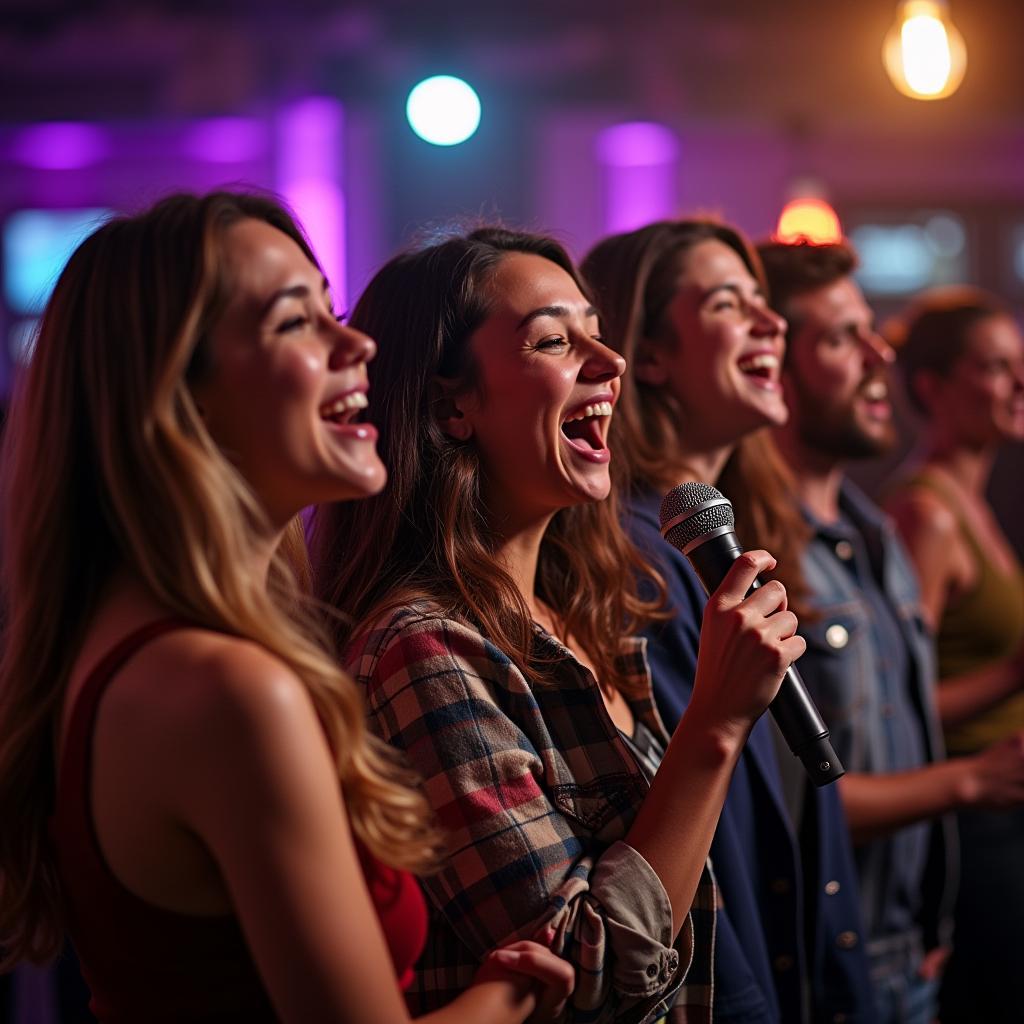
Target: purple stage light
[[60, 145], [227, 140], [637, 144], [640, 161], [309, 177]]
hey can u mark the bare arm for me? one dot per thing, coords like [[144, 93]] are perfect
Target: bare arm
[[930, 533], [256, 782], [878, 805], [746, 645]]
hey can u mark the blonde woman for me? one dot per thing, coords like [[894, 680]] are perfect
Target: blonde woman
[[225, 841]]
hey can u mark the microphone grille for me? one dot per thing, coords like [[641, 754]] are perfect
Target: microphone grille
[[686, 500]]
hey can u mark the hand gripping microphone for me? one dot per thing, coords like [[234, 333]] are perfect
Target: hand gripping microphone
[[698, 521]]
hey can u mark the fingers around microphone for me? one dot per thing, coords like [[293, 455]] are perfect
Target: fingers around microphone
[[741, 575], [767, 599]]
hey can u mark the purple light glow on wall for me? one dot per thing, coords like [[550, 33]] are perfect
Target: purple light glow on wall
[[640, 161], [60, 145], [227, 140], [309, 148]]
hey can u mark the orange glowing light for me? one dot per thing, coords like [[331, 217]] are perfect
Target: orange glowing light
[[808, 220], [923, 52]]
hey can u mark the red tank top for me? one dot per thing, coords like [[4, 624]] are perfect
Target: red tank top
[[144, 963]]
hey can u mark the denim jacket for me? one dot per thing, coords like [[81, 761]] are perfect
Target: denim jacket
[[775, 887], [842, 670]]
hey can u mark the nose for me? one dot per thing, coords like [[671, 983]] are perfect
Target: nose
[[602, 363], [350, 347], [768, 323], [877, 351]]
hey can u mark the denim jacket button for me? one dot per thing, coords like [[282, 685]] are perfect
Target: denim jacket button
[[783, 962], [780, 886], [831, 888], [844, 550], [837, 636], [846, 940]]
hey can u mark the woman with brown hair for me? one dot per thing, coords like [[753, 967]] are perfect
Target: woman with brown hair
[[684, 301], [490, 587], [962, 359], [186, 782]]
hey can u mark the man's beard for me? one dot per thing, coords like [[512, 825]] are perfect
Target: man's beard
[[835, 430]]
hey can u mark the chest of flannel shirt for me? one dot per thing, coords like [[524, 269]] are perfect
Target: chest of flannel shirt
[[532, 783]]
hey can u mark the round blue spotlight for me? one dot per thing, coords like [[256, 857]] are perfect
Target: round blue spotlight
[[443, 110]]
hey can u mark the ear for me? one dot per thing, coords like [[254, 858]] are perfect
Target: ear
[[650, 364], [448, 408]]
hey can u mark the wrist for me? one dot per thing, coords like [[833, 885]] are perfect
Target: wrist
[[716, 739], [968, 785]]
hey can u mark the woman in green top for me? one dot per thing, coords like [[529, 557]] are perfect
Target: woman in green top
[[963, 364]]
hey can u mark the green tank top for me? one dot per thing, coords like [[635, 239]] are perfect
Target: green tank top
[[984, 626]]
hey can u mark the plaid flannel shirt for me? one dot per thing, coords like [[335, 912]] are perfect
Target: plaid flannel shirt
[[536, 789]]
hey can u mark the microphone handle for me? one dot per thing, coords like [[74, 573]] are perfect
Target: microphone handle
[[793, 710]]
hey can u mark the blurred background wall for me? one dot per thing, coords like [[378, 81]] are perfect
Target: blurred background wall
[[596, 116]]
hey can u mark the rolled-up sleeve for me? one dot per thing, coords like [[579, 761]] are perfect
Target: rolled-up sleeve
[[523, 860]]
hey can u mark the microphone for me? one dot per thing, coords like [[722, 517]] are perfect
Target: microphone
[[698, 521]]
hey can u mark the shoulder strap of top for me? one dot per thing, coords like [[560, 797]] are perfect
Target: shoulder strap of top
[[942, 490], [78, 740]]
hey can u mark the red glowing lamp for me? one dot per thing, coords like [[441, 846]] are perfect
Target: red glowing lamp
[[808, 220]]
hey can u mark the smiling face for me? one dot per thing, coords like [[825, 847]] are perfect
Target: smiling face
[[286, 380], [544, 387], [837, 374], [981, 399], [721, 350]]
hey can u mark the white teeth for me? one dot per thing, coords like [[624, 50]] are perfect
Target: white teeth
[[353, 400], [760, 361], [597, 409], [876, 391]]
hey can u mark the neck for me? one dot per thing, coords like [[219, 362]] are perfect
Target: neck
[[817, 476], [701, 466], [970, 466], [519, 553]]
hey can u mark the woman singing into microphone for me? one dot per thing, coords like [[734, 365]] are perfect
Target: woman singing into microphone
[[685, 304], [490, 584]]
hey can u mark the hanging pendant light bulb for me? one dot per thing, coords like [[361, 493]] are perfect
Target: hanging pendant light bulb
[[923, 51]]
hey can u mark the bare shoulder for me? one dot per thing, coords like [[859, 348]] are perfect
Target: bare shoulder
[[921, 515], [196, 686]]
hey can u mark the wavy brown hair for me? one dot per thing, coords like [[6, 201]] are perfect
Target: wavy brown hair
[[107, 463], [634, 277], [429, 534]]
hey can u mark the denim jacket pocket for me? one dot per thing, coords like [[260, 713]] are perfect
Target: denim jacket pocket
[[835, 677]]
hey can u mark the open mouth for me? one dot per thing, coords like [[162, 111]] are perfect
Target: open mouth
[[344, 410], [875, 394], [763, 367], [584, 429]]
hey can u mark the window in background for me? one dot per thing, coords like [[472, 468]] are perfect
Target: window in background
[[902, 254], [36, 245]]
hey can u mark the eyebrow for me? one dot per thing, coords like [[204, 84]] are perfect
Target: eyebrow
[[552, 311], [734, 288], [295, 291]]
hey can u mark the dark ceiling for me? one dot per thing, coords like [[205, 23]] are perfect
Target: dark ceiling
[[797, 65]]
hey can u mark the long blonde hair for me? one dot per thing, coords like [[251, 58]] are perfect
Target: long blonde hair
[[107, 462]]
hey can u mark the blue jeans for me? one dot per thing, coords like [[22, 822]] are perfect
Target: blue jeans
[[904, 997]]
